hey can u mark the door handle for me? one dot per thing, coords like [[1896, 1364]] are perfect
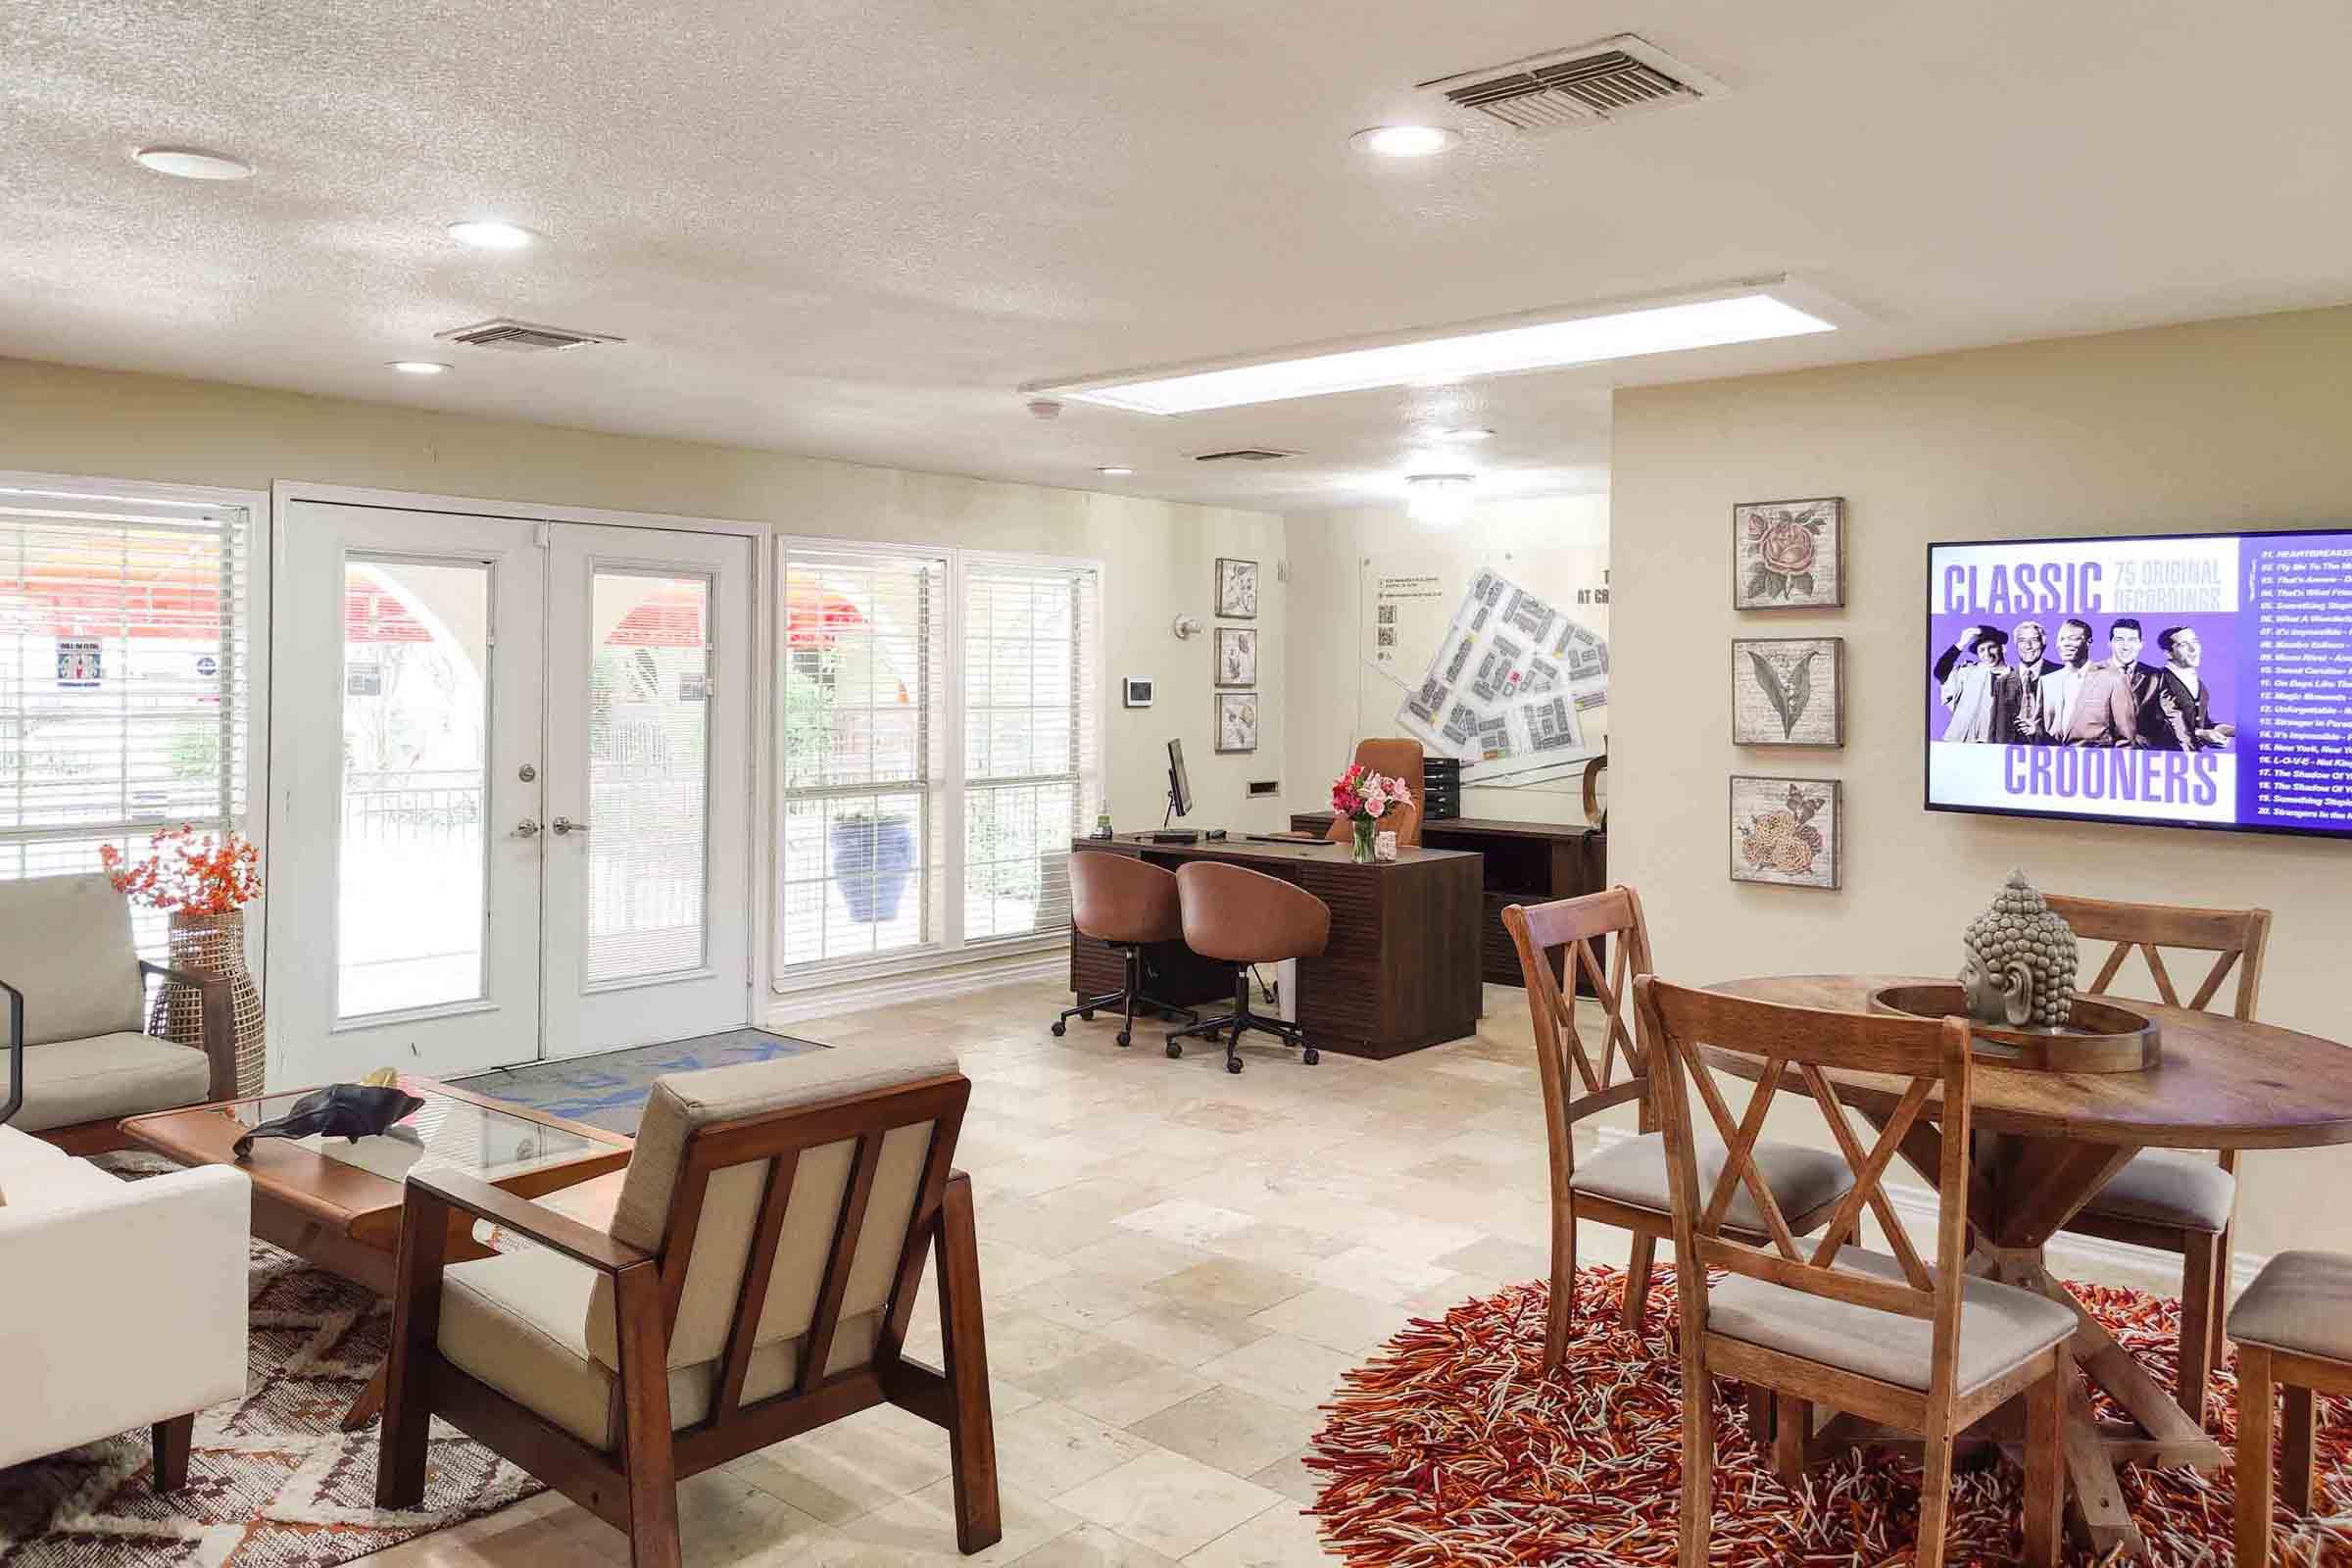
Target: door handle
[[565, 824], [526, 829]]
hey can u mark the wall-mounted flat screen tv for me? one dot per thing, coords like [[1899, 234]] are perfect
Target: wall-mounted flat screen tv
[[2188, 680]]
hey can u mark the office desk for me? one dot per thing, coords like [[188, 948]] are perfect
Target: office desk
[[1400, 972]]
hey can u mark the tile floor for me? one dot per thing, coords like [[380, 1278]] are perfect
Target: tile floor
[[1177, 1265]]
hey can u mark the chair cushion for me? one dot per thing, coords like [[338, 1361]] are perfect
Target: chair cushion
[[2300, 1302], [29, 1186], [2000, 1325], [2169, 1187], [1634, 1171], [66, 943], [106, 1078]]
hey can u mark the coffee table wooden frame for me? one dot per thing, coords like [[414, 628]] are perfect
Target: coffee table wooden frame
[[2048, 1142], [339, 1217]]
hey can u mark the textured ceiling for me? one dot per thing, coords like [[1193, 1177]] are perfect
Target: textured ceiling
[[852, 227]]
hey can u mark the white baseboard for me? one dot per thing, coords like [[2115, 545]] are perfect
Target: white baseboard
[[1919, 1203], [855, 996]]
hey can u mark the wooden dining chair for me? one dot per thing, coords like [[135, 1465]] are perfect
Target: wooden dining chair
[[756, 1281], [1624, 1183], [2173, 1200], [1879, 1335], [2293, 1329]]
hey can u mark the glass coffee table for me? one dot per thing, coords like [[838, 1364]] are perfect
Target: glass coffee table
[[336, 1204]]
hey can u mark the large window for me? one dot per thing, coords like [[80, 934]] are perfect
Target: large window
[[124, 673], [936, 723]]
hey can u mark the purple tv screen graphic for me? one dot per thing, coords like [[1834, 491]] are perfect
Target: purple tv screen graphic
[[2198, 680]]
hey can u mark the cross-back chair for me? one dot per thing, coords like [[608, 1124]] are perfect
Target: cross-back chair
[[1624, 1183], [2174, 1200], [756, 1281], [1885, 1336]]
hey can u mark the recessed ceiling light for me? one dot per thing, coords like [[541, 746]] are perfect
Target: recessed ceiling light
[[192, 162], [1439, 500], [416, 366], [1467, 432], [1404, 141], [489, 234], [1115, 472], [1747, 317]]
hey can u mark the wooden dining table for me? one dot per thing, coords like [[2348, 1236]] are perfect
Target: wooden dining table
[[2046, 1142]]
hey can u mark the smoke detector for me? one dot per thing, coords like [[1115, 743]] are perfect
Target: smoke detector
[[1591, 85], [510, 336]]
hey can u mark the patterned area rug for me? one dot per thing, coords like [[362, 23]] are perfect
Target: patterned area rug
[[608, 1090], [1449, 1447], [272, 1482]]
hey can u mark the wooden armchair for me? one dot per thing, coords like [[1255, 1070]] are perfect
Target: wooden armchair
[[756, 1281], [2173, 1200], [1625, 1183], [1878, 1334]]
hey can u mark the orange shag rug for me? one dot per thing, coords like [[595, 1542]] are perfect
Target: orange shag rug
[[1449, 1447]]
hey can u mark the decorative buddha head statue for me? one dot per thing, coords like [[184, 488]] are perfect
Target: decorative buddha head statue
[[2020, 969]]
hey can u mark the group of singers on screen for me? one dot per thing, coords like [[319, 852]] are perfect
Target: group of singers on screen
[[2068, 701]]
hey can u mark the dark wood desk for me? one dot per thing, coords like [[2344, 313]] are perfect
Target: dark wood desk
[[1526, 862], [1402, 970]]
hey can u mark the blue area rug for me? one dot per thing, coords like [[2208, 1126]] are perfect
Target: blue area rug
[[608, 1090]]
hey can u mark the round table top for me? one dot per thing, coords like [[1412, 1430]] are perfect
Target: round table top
[[2222, 1083]]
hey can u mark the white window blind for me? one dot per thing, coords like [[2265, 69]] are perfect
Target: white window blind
[[123, 694], [1031, 754], [863, 643]]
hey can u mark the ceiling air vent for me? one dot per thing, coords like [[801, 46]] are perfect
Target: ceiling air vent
[[1588, 85], [521, 338], [1243, 454]]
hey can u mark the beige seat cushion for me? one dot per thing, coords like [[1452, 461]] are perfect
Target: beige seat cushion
[[2300, 1302], [2169, 1187], [65, 942], [29, 1186], [106, 1078], [2000, 1325], [519, 1323], [1634, 1171]]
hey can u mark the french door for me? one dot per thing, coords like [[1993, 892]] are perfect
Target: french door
[[515, 798]]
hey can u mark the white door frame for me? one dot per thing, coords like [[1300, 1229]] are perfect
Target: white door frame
[[283, 493]]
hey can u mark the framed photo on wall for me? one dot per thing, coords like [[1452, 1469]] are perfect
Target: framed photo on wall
[[1788, 555], [1237, 721], [1789, 691], [1236, 589], [1787, 831], [1237, 656]]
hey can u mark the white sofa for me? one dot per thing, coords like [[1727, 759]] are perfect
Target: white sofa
[[121, 1303]]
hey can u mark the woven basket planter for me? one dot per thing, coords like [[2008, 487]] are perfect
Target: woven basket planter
[[212, 945]]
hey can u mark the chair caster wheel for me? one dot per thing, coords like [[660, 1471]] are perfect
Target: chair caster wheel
[[1087, 1015], [1233, 1065], [1174, 1049], [1061, 1028], [1126, 1039], [1311, 1056]]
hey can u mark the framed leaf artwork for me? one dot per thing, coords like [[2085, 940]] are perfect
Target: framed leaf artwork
[[1237, 656], [1789, 691], [1788, 555], [1237, 721], [1236, 588], [1787, 831]]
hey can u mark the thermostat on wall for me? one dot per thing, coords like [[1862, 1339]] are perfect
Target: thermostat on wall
[[1138, 690]]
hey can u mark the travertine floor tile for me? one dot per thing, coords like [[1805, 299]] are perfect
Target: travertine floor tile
[[1170, 1503]]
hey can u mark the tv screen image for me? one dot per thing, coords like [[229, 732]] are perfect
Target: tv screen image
[[2189, 680]]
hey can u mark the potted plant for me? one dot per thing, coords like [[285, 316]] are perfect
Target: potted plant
[[874, 853], [1365, 797], [202, 882]]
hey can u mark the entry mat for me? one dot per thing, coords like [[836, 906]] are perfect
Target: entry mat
[[608, 1090]]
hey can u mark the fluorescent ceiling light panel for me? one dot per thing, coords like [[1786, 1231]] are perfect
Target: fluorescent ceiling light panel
[[1744, 318]]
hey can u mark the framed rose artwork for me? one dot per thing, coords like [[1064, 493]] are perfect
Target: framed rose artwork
[[1787, 831], [1788, 555]]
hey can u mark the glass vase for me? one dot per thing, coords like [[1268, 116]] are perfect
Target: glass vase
[[1361, 847]]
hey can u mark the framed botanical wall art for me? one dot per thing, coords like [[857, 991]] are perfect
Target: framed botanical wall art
[[1787, 831], [1237, 721], [1788, 555], [1789, 691], [1236, 589], [1237, 656]]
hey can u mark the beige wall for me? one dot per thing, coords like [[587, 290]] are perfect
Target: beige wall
[[1158, 558], [2220, 425], [1335, 698]]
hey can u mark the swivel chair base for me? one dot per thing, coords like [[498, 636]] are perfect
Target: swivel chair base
[[1127, 998], [1239, 1020]]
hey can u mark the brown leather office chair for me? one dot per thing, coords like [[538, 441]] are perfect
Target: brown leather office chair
[[1393, 758], [1128, 903], [1245, 917]]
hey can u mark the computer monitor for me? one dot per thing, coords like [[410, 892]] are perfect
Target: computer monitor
[[1180, 787]]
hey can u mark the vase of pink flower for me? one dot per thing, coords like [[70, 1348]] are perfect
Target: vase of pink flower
[[1365, 797]]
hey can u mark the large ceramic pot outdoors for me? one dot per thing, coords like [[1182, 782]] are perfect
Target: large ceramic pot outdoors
[[871, 859]]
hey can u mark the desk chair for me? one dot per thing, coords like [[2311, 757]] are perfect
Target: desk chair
[[2170, 1199], [1393, 758], [1127, 904], [1245, 917]]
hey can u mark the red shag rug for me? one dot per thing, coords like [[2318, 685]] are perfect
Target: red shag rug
[[1449, 1447]]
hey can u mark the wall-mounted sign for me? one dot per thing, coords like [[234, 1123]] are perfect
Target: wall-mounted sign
[[207, 666], [79, 662], [693, 688], [363, 680]]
